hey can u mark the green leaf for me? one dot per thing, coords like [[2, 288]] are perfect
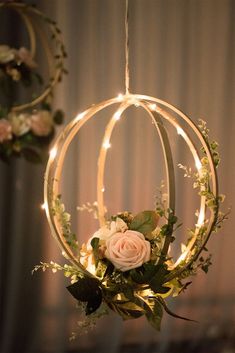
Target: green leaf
[[58, 117], [144, 273], [154, 313], [88, 290], [156, 283], [32, 155], [95, 246], [145, 222], [127, 310], [152, 309]]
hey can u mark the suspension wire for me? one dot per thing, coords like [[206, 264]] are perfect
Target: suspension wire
[[127, 72]]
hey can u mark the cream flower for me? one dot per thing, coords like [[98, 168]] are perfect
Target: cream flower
[[106, 231], [20, 123], [14, 73], [23, 55], [5, 130], [87, 258], [41, 123], [7, 54], [127, 250]]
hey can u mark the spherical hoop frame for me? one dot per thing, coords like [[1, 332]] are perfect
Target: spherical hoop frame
[[54, 59], [158, 111]]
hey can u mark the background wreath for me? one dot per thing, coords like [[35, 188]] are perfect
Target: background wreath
[[26, 129]]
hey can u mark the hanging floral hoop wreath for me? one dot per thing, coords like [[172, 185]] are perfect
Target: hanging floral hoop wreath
[[27, 129], [126, 266]]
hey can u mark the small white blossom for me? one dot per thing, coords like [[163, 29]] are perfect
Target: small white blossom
[[20, 123], [7, 54]]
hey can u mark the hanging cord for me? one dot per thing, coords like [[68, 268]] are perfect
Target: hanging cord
[[127, 73]]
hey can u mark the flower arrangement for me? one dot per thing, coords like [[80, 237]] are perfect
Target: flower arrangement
[[125, 266], [27, 129], [28, 134]]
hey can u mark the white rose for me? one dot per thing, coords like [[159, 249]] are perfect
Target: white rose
[[20, 123], [106, 231]]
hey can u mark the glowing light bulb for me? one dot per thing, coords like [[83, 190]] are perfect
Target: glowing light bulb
[[117, 115], [44, 207], [201, 218], [120, 97], [106, 144], [180, 131], [152, 106], [79, 116], [103, 189], [198, 164], [53, 152]]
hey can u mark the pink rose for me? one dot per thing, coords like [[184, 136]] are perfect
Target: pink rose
[[41, 123], [127, 250], [5, 130]]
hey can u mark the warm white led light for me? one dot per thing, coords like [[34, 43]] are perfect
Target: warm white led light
[[152, 106], [198, 164], [53, 152], [106, 144], [201, 219], [79, 116], [117, 115], [120, 97], [180, 131], [103, 189], [44, 206]]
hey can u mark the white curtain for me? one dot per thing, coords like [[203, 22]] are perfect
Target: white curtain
[[181, 51]]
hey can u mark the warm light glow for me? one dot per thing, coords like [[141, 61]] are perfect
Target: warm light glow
[[198, 164], [53, 152], [44, 207], [117, 115], [201, 219], [152, 106], [79, 116], [182, 257], [103, 189], [106, 144], [120, 97], [180, 131]]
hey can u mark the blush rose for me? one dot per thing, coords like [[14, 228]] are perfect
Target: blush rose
[[5, 130], [41, 123], [127, 250]]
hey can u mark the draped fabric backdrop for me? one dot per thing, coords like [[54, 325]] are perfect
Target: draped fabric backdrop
[[181, 51]]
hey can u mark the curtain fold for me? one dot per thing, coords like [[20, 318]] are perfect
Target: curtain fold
[[181, 51]]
